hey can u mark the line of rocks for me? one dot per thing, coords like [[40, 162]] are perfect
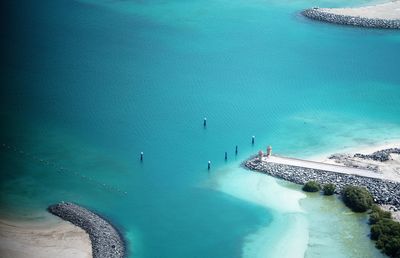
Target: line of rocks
[[382, 155], [383, 191], [317, 14], [106, 240], [349, 161]]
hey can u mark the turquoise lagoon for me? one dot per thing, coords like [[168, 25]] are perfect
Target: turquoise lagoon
[[88, 85]]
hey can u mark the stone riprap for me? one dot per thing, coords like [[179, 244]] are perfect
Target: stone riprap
[[384, 192], [106, 240], [382, 155], [317, 14]]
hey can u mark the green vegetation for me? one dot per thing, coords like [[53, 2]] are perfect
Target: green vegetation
[[311, 186], [377, 214], [329, 189], [358, 199], [385, 232]]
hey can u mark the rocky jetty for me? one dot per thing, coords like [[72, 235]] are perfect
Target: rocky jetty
[[317, 14], [106, 240], [384, 192]]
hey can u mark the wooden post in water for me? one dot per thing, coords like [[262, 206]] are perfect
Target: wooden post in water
[[236, 150], [205, 122], [252, 139], [226, 155], [141, 156], [209, 165]]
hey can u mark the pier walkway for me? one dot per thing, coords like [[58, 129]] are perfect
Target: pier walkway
[[322, 166]]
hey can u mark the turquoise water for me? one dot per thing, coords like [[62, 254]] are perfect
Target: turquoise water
[[88, 85]]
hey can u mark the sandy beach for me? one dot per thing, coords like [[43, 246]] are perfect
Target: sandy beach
[[388, 11], [51, 237]]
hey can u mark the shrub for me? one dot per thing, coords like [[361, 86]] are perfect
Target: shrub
[[357, 198], [375, 232], [377, 214], [329, 189], [311, 186], [387, 234], [391, 246]]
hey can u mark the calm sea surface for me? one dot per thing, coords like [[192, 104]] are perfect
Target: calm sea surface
[[87, 85]]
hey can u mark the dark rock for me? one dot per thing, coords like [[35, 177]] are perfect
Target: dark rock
[[106, 240]]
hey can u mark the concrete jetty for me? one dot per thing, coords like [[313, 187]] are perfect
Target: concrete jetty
[[106, 240]]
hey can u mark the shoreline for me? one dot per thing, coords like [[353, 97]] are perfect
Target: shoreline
[[382, 16], [106, 241], [65, 230], [48, 237]]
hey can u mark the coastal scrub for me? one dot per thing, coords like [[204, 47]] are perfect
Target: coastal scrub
[[329, 189], [311, 186], [358, 199], [385, 232]]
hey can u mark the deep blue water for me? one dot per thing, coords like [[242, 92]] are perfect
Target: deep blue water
[[89, 85]]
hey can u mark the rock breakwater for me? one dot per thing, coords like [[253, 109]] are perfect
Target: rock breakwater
[[106, 240], [384, 192], [317, 14]]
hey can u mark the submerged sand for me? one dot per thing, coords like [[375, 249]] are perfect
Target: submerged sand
[[387, 11], [52, 237]]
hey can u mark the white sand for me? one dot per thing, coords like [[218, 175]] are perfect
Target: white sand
[[41, 239], [389, 11]]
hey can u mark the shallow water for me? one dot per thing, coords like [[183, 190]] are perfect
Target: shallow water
[[88, 85]]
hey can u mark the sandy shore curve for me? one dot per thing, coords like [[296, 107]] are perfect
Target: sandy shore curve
[[39, 239]]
